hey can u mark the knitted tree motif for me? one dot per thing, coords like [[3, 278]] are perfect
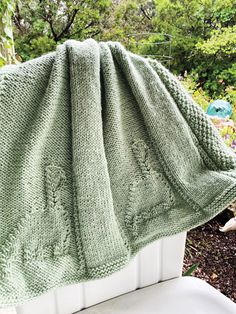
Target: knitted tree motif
[[149, 194], [55, 217], [43, 232]]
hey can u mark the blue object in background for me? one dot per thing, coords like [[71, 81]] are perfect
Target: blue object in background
[[220, 108]]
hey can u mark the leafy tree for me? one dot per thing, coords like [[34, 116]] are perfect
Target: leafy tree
[[39, 25], [128, 17], [202, 32], [218, 66], [203, 40], [7, 53]]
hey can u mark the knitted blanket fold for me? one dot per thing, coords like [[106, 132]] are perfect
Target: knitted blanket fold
[[102, 151]]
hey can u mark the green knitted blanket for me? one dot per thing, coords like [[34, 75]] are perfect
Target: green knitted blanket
[[102, 151]]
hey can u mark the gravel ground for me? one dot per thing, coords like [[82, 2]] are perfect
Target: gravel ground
[[215, 254]]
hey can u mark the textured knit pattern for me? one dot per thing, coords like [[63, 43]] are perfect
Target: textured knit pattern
[[102, 151]]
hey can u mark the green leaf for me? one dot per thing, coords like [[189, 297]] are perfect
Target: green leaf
[[2, 61], [191, 270]]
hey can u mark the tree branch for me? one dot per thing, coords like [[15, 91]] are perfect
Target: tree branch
[[144, 12], [17, 18], [70, 22], [89, 24], [55, 37]]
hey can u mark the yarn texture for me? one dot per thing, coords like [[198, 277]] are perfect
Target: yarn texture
[[102, 151]]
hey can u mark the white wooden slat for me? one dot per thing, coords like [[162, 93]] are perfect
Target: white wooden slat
[[116, 284], [173, 248], [44, 304], [8, 310], [149, 270], [70, 299]]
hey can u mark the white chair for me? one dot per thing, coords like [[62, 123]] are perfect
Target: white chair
[[151, 283]]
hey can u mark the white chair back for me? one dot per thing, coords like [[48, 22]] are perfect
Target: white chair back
[[158, 261]]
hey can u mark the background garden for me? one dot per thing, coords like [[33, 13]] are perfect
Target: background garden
[[196, 40]]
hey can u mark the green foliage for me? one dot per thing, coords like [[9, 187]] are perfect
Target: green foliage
[[222, 41], [217, 69], [231, 97], [128, 17], [190, 82], [35, 47], [204, 40], [198, 94], [228, 76], [39, 25], [203, 35], [6, 44], [60, 20], [119, 25]]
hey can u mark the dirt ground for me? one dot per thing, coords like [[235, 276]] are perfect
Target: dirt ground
[[215, 254]]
